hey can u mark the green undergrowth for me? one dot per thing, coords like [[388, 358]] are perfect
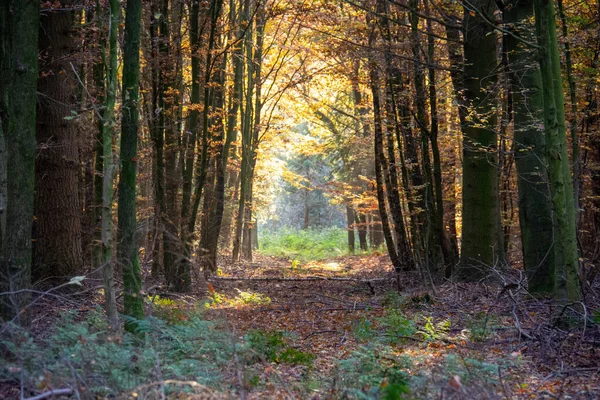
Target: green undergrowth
[[85, 355], [274, 347], [412, 357], [304, 245], [176, 343]]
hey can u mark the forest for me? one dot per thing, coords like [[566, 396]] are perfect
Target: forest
[[299, 199]]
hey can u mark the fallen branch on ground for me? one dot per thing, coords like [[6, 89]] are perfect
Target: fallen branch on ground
[[307, 278], [50, 393]]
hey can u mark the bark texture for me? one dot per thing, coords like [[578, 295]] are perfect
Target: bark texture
[[58, 251]]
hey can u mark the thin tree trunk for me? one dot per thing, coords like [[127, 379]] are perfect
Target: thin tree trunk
[[100, 86], [432, 240], [247, 149], [350, 228], [108, 169], [575, 147], [380, 160]]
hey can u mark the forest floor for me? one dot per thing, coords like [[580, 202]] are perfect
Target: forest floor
[[370, 341], [331, 329]]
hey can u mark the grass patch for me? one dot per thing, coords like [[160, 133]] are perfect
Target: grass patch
[[304, 245]]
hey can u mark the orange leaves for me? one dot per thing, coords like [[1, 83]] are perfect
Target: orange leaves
[[455, 383]]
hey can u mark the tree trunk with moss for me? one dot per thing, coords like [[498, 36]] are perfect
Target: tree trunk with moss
[[19, 27], [108, 168], [127, 226], [535, 206], [481, 247], [567, 285]]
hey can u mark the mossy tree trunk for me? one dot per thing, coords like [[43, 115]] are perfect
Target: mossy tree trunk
[[108, 127], [567, 285], [481, 247], [128, 256], [535, 206]]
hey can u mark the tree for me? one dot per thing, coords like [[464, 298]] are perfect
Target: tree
[[108, 126], [535, 206], [567, 285], [58, 251], [19, 27], [481, 245], [127, 244]]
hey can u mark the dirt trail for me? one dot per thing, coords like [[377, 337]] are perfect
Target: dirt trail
[[321, 316]]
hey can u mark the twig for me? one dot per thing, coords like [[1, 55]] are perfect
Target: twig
[[50, 393], [320, 332]]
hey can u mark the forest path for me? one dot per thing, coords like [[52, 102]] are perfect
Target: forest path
[[316, 304], [462, 342]]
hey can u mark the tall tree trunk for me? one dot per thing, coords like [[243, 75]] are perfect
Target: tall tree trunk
[[480, 234], [389, 167], [575, 147], [450, 256], [108, 168], [567, 285], [247, 132], [535, 206], [165, 146], [19, 27], [381, 165], [432, 238], [203, 159], [128, 256], [215, 216], [58, 251], [100, 97], [157, 135]]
